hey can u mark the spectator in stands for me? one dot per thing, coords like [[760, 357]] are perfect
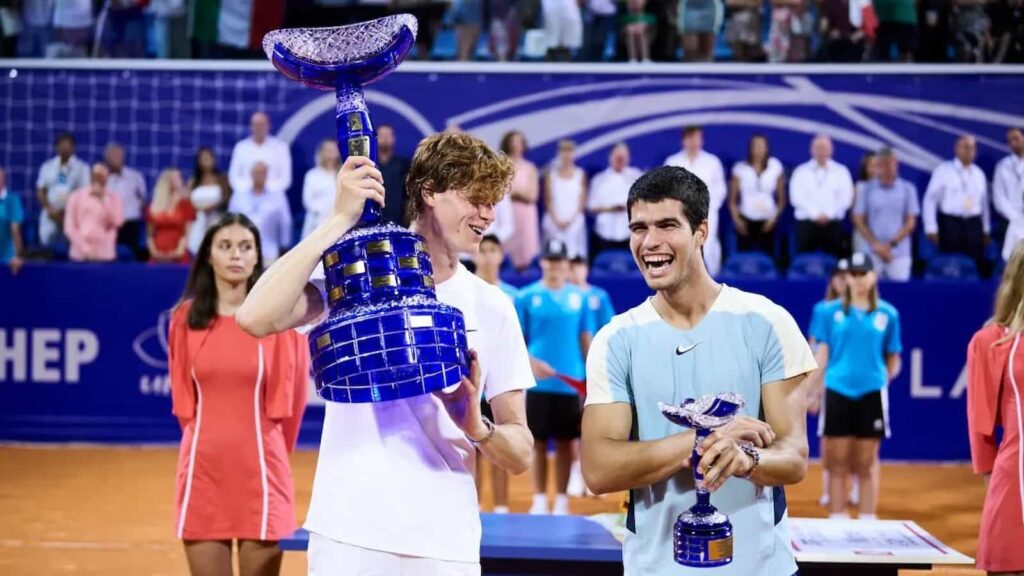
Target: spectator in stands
[[743, 30], [318, 186], [488, 261], [636, 22], [972, 31], [821, 191], [934, 33], [209, 193], [709, 169], [260, 146], [1008, 190], [563, 27], [131, 187], [10, 28], [995, 372], [123, 33], [565, 199], [239, 427], [524, 245], [842, 41], [885, 217], [168, 219], [94, 214], [789, 38], [36, 22], [607, 202], [504, 224], [72, 32], [859, 343], [600, 19], [696, 22], [268, 209], [558, 327], [867, 172], [897, 30], [58, 177], [1008, 31], [504, 30], [394, 168], [467, 16], [12, 214], [757, 197], [956, 206], [170, 28]]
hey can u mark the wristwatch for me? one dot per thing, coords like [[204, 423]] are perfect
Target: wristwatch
[[755, 455], [487, 437]]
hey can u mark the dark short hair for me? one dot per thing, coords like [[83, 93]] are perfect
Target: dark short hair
[[577, 260], [64, 136], [672, 183], [492, 239], [691, 129]]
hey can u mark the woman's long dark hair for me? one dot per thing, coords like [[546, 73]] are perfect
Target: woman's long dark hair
[[750, 151], [201, 286], [197, 171]]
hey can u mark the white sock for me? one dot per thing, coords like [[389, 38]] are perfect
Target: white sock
[[501, 509], [540, 500], [839, 516], [561, 504], [867, 516]]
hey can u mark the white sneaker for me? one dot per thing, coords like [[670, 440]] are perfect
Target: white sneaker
[[576, 487], [540, 505], [854, 491], [824, 500], [561, 505]]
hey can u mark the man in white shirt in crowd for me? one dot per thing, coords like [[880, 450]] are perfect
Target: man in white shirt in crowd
[[955, 208], [1008, 190], [709, 169], [129, 184], [268, 209], [260, 146], [885, 216], [821, 191], [58, 178], [607, 201], [394, 490]]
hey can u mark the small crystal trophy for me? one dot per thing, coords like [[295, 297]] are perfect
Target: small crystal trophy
[[702, 536], [387, 336]]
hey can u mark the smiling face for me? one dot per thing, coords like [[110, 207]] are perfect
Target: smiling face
[[665, 247], [233, 254], [462, 223]]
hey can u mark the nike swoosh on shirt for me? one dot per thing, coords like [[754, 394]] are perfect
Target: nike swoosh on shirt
[[680, 350]]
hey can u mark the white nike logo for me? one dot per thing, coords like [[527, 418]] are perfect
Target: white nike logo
[[680, 350]]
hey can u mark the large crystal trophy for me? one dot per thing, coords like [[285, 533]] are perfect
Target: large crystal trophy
[[386, 337], [702, 536]]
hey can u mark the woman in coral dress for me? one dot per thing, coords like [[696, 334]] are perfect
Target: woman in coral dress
[[524, 245], [239, 400], [995, 398], [168, 218]]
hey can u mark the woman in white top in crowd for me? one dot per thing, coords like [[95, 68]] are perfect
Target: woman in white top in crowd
[[209, 193], [565, 198], [757, 197], [318, 187]]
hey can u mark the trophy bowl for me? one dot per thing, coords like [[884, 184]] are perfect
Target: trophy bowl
[[387, 336]]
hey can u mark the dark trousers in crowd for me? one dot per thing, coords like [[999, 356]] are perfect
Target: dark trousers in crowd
[[131, 234], [599, 244], [757, 238], [963, 236], [595, 36], [814, 237]]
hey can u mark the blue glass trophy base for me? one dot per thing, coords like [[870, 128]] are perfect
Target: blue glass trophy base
[[702, 538]]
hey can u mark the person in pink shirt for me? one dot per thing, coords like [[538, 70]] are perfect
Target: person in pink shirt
[[92, 218]]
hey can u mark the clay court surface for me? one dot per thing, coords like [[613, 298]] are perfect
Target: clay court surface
[[98, 510]]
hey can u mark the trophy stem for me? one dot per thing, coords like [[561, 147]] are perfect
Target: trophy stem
[[355, 133], [703, 496]]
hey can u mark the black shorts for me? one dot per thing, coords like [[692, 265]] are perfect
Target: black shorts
[[864, 417], [553, 416]]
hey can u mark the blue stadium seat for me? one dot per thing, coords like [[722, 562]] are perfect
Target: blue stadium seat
[[444, 45], [955, 267], [812, 266], [125, 253], [615, 262], [60, 251], [997, 270], [749, 266]]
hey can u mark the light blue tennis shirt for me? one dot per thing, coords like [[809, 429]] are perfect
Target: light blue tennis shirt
[[552, 322], [600, 305], [744, 342], [858, 342]]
